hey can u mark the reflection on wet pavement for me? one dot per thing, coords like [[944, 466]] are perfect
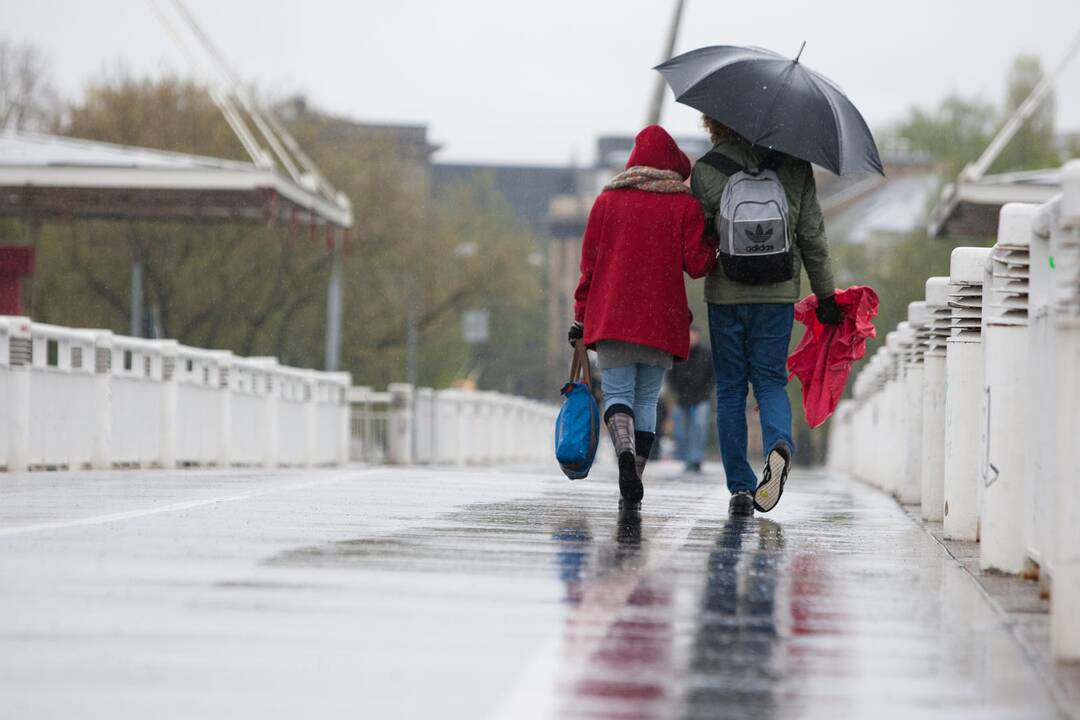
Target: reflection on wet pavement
[[834, 606], [731, 663], [462, 594]]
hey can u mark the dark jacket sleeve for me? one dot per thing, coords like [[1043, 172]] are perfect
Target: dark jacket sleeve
[[811, 239], [707, 184], [699, 254], [589, 244]]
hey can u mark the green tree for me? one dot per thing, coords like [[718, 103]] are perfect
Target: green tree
[[957, 131], [238, 286], [953, 134], [28, 100], [441, 256], [261, 291], [1033, 147]]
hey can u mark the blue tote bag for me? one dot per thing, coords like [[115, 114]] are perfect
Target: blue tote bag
[[577, 429]]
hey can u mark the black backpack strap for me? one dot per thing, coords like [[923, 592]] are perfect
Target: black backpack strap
[[721, 162]]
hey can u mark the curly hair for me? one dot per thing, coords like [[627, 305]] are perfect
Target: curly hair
[[717, 130]]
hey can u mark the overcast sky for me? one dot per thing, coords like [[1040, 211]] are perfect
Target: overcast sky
[[515, 81]]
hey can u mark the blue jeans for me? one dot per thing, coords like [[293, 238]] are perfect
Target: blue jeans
[[638, 387], [691, 425], [750, 345]]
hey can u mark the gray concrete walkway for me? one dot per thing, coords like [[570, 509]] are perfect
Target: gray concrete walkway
[[406, 593]]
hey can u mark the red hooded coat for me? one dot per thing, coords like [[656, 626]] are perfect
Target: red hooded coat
[[637, 244]]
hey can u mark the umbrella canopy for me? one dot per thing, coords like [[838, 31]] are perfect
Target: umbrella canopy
[[775, 102], [824, 357]]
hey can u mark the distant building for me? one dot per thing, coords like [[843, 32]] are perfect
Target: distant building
[[528, 189]]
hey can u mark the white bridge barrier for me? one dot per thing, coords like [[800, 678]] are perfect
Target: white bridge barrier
[[998, 343], [91, 399], [450, 427]]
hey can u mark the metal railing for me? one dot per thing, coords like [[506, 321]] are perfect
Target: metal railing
[[408, 425], [72, 398], [990, 446], [368, 417]]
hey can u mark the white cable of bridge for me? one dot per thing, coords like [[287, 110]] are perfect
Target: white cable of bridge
[[236, 87], [227, 89], [1038, 94], [221, 99]]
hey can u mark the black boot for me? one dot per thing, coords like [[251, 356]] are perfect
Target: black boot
[[620, 422], [643, 442]]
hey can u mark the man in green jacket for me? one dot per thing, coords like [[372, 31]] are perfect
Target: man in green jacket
[[750, 325]]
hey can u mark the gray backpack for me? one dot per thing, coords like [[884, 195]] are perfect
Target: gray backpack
[[753, 222]]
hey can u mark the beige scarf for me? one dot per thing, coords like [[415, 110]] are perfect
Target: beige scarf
[[648, 178]]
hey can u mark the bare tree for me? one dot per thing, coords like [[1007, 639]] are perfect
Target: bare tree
[[28, 100]]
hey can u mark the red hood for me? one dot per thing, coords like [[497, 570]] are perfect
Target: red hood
[[653, 147]]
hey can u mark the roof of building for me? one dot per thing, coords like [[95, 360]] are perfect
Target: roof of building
[[895, 205], [970, 207], [49, 176]]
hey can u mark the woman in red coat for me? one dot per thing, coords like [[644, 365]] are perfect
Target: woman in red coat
[[644, 230]]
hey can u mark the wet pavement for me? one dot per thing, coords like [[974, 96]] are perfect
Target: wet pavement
[[429, 593]]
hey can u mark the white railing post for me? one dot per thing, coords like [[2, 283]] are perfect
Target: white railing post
[[311, 410], [344, 418], [102, 457], [1005, 338], [932, 471], [170, 351], [399, 429], [468, 428], [423, 422], [1040, 466], [868, 466], [906, 486], [913, 396], [963, 393], [224, 379], [840, 442], [20, 343], [877, 470], [271, 390], [1064, 418], [447, 440], [359, 400]]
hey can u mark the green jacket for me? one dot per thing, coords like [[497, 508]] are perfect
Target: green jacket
[[811, 245]]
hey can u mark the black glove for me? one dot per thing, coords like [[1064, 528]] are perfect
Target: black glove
[[828, 312], [577, 331]]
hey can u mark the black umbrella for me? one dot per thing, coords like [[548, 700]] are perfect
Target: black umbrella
[[775, 102]]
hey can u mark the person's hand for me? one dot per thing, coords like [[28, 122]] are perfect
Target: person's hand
[[828, 312], [577, 331]]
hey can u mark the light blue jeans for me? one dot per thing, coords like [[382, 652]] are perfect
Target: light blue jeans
[[637, 387], [691, 427]]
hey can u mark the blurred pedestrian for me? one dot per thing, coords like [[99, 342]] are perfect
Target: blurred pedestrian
[[643, 231], [692, 385]]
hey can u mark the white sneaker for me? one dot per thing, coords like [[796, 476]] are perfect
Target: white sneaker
[[773, 478]]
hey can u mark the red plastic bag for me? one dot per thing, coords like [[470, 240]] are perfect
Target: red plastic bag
[[824, 357]]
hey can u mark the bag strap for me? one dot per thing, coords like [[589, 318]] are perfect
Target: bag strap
[[721, 162], [727, 166], [579, 365]]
